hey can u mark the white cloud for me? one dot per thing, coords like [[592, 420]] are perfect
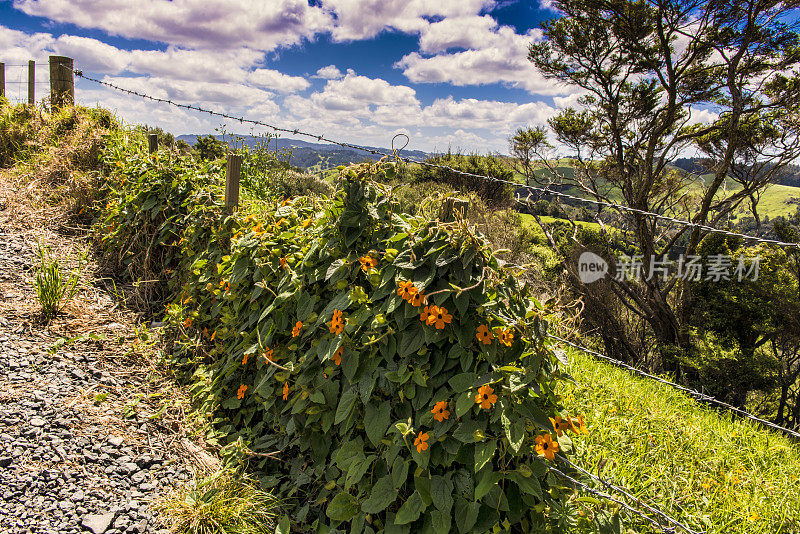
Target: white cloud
[[362, 19], [501, 56], [273, 79], [215, 24], [460, 32], [329, 73]]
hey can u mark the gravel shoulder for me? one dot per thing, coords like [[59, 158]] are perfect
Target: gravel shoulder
[[92, 429]]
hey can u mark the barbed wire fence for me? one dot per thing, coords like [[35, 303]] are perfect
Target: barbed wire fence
[[664, 522]]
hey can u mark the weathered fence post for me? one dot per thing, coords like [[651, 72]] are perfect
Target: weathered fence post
[[2, 79], [152, 142], [31, 81], [452, 208], [232, 174], [62, 83]]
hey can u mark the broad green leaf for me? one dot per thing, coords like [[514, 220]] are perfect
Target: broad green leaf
[[528, 485], [410, 510], [462, 382], [465, 401], [357, 468], [484, 453], [399, 472], [284, 526], [442, 493], [342, 507], [382, 494], [466, 514], [515, 431], [488, 479], [345, 407], [441, 521], [411, 340], [377, 421]]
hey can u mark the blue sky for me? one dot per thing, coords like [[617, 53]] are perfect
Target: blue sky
[[449, 73]]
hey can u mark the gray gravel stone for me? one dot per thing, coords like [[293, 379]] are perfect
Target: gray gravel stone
[[98, 523]]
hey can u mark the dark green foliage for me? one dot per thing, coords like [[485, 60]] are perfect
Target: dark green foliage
[[493, 193], [210, 148]]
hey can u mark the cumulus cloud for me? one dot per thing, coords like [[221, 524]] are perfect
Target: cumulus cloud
[[273, 79], [459, 32], [217, 24], [500, 56], [362, 19], [329, 72]]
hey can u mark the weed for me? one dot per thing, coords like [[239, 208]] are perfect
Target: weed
[[226, 502], [54, 288]]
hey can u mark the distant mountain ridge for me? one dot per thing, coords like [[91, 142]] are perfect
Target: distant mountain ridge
[[789, 175], [306, 154]]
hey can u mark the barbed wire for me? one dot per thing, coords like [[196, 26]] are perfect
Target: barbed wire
[[620, 502], [627, 494], [376, 152], [702, 397]]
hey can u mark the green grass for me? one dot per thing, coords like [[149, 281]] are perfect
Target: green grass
[[702, 467], [529, 220]]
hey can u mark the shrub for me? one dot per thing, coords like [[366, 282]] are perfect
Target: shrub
[[495, 194], [306, 350]]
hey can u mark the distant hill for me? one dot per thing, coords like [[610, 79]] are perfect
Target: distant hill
[[790, 175], [320, 156]]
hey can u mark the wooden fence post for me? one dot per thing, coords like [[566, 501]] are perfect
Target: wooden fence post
[[2, 79], [152, 142], [232, 174], [31, 81], [62, 83]]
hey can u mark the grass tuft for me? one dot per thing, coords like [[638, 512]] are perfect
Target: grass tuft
[[226, 502], [54, 287]]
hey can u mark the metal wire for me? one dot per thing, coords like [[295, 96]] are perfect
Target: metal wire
[[376, 152], [627, 494], [702, 397], [623, 504]]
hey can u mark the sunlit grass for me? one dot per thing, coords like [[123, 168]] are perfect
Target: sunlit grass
[[704, 468]]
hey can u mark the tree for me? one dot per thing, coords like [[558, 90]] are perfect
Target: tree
[[210, 148], [523, 145], [648, 69]]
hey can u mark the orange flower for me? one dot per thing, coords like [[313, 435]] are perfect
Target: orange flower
[[582, 425], [269, 355], [240, 391], [205, 332], [545, 446], [213, 335], [440, 411], [188, 322], [484, 335], [337, 357], [406, 290], [438, 317], [296, 329], [306, 223], [571, 425], [506, 337], [286, 391], [244, 359], [559, 425], [367, 263], [257, 229], [279, 221], [283, 263], [418, 299], [337, 322], [485, 397], [426, 312], [420, 442]]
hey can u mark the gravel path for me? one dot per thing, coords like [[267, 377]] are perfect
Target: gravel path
[[75, 455]]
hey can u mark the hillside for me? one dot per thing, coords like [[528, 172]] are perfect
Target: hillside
[[314, 156], [159, 219]]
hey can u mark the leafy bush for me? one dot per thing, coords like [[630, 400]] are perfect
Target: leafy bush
[[306, 350], [493, 193]]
